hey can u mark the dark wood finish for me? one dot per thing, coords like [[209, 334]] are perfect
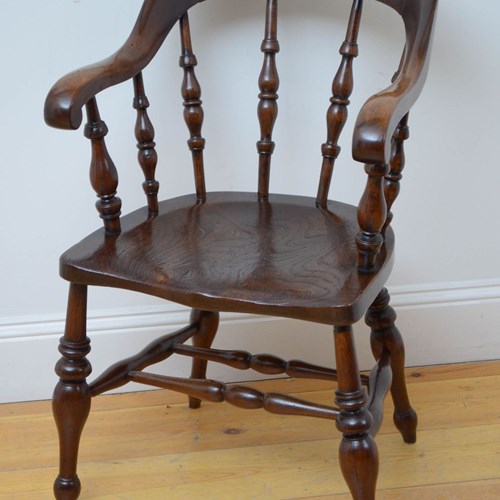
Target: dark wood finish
[[262, 363], [71, 399], [393, 178], [103, 174], [259, 254], [379, 384], [386, 338], [379, 116], [193, 112], [358, 451], [145, 134], [281, 255], [238, 395], [158, 350], [63, 106], [208, 322], [267, 109], [336, 116], [372, 214]]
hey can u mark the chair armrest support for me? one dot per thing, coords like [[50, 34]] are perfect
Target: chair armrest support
[[64, 103], [382, 112]]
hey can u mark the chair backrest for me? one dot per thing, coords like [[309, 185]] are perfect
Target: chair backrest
[[379, 133]]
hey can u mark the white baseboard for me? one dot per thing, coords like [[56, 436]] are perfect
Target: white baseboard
[[441, 323]]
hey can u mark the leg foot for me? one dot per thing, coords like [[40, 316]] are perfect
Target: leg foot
[[385, 335], [208, 323], [71, 400], [358, 451], [67, 489], [359, 465], [406, 423]]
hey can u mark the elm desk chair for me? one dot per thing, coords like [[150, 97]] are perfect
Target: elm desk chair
[[290, 256]]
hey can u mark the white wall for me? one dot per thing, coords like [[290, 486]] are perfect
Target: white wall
[[446, 283]]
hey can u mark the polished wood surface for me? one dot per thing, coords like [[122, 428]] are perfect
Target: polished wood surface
[[379, 116], [63, 106], [267, 110], [193, 112], [145, 134], [336, 116], [235, 254], [219, 450], [264, 253], [103, 173]]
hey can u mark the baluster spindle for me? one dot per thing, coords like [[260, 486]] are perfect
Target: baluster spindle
[[237, 395], [393, 178], [145, 133], [372, 213], [267, 109], [336, 115], [193, 112], [103, 174]]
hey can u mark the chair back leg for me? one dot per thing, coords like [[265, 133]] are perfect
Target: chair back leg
[[208, 323], [386, 336]]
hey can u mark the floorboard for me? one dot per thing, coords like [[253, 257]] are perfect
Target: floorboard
[[149, 445]]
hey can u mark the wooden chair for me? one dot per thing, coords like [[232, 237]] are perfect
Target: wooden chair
[[289, 256]]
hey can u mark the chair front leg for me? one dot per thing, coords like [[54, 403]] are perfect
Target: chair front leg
[[358, 451], [71, 399]]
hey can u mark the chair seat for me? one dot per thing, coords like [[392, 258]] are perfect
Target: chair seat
[[284, 257]]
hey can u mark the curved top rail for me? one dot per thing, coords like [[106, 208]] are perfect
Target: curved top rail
[[63, 105], [381, 113]]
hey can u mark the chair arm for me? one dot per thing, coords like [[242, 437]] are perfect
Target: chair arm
[[382, 112], [63, 105]]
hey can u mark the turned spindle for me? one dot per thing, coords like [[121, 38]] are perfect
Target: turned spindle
[[267, 109], [393, 178], [145, 133], [372, 213], [237, 395], [336, 115], [262, 363], [193, 112], [103, 174]]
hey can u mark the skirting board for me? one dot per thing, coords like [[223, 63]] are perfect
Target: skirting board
[[441, 323]]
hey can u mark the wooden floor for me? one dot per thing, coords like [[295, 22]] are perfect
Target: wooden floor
[[176, 453]]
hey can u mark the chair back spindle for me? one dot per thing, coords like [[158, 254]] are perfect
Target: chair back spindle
[[336, 115], [103, 174], [147, 156], [193, 112], [267, 109]]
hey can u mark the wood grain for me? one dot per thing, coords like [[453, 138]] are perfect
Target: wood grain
[[278, 255], [183, 453], [285, 257]]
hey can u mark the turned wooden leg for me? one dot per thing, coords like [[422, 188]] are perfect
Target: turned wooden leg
[[358, 451], [208, 323], [385, 336], [71, 399]]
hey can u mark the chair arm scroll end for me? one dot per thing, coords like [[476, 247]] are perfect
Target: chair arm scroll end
[[60, 110], [64, 103], [372, 138]]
